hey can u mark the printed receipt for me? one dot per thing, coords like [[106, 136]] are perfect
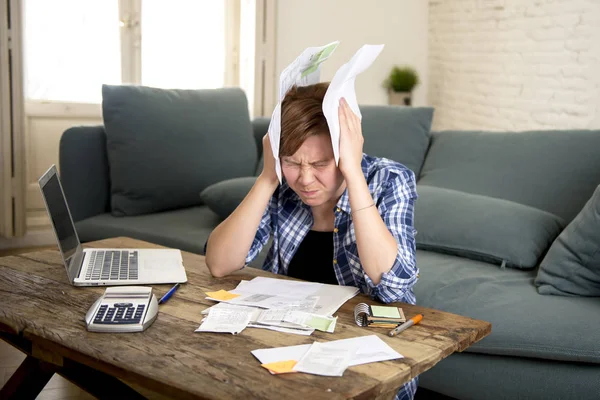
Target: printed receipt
[[225, 321], [325, 359]]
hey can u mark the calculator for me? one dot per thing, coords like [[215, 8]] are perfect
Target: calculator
[[123, 309]]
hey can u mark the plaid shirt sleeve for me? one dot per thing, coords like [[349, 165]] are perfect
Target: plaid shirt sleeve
[[262, 233], [396, 207]]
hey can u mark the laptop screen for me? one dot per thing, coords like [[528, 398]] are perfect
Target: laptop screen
[[58, 211]]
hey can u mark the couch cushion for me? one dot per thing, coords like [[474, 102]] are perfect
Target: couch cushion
[[572, 265], [491, 377], [224, 197], [398, 133], [186, 229], [166, 146], [554, 171], [524, 323], [483, 228]]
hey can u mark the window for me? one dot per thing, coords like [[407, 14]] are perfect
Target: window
[[72, 47], [183, 44]]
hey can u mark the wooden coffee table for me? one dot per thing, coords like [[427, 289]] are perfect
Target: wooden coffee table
[[42, 314]]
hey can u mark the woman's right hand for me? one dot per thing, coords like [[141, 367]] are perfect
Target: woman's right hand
[[268, 173]]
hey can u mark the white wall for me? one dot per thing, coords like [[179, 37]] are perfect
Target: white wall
[[399, 24], [514, 64]]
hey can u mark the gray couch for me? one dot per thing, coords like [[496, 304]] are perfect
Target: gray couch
[[490, 206]]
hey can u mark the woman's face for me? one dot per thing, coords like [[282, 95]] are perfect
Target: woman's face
[[311, 172]]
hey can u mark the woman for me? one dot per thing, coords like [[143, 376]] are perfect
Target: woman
[[322, 217]]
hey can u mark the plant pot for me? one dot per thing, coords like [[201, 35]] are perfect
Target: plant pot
[[399, 98]]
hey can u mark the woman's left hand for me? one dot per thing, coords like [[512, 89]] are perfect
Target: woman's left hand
[[351, 141]]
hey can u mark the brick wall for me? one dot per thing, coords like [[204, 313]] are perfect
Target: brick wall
[[514, 64]]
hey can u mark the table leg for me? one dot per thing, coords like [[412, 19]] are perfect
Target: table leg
[[28, 380], [96, 383], [33, 374]]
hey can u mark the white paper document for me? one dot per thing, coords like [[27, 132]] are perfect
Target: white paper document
[[279, 287], [293, 331], [329, 298], [226, 306], [263, 300], [342, 85], [303, 71], [325, 359], [275, 317], [282, 305], [225, 321], [369, 349]]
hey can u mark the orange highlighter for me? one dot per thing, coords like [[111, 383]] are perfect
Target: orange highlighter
[[414, 320]]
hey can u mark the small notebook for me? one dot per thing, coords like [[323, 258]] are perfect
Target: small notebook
[[378, 316]]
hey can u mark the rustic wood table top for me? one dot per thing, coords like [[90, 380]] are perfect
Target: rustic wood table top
[[37, 304]]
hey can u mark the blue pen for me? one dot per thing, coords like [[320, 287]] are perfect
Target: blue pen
[[168, 294]]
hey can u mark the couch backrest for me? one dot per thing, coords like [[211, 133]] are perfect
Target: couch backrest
[[398, 133], [83, 168], [260, 126], [555, 171], [167, 145]]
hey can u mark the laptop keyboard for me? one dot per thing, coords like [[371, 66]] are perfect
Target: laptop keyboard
[[112, 265]]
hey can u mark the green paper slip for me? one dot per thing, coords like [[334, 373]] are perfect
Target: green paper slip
[[321, 324], [385, 312], [318, 58]]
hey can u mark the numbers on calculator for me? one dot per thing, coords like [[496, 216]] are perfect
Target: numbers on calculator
[[119, 314]]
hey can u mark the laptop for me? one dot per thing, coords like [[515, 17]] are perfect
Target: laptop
[[104, 267]]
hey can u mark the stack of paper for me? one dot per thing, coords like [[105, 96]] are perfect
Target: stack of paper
[[277, 304], [330, 358]]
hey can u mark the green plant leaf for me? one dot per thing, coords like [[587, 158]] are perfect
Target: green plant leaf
[[402, 79]]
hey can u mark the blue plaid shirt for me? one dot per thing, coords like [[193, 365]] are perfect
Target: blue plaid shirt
[[393, 189]]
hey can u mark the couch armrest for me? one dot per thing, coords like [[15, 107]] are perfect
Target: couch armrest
[[84, 171]]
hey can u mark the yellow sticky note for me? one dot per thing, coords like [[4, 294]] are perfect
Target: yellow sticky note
[[222, 295], [280, 367]]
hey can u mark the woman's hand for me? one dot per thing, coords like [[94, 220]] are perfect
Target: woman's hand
[[351, 141], [268, 173]]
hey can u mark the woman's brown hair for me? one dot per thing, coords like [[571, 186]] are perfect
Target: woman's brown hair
[[302, 117]]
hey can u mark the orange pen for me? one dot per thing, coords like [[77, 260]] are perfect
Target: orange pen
[[414, 320]]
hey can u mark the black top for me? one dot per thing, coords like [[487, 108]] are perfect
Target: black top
[[313, 260]]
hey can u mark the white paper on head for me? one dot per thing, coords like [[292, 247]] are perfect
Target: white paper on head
[[342, 85], [304, 71]]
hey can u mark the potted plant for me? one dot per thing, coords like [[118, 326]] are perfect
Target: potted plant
[[400, 84]]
